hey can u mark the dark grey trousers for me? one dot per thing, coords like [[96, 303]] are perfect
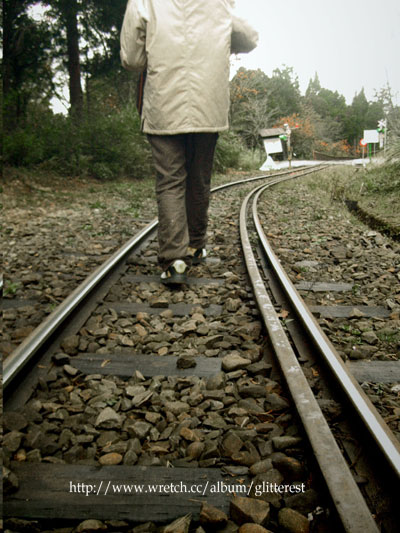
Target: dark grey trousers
[[183, 164]]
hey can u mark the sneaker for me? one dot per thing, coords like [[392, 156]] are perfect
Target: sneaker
[[197, 255], [175, 274]]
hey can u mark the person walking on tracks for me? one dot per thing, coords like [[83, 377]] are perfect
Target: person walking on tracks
[[183, 47]]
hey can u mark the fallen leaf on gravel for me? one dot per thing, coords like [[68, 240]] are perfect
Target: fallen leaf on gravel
[[283, 314], [139, 375]]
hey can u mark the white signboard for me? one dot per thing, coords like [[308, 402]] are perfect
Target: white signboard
[[371, 136], [273, 145]]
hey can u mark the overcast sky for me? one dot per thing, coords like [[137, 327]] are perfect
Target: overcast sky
[[351, 44]]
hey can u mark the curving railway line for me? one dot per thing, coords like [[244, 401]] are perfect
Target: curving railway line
[[91, 404]]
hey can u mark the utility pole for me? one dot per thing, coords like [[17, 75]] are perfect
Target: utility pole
[[288, 132], [382, 130]]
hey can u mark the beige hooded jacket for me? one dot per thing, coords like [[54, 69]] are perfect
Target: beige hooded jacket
[[185, 46]]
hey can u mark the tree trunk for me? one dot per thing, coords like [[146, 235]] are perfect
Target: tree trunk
[[8, 18], [11, 10], [70, 13]]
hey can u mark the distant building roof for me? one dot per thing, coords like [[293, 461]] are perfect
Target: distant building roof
[[271, 132]]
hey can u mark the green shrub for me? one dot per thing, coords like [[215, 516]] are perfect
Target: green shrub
[[384, 179], [251, 159], [227, 152], [231, 153], [22, 148], [393, 154], [116, 145], [101, 145]]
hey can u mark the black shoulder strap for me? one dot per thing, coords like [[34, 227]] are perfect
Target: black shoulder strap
[[140, 90]]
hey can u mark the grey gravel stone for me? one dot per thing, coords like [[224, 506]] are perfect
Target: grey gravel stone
[[12, 440], [303, 502], [370, 337], [140, 429], [176, 408], [276, 402], [14, 421], [261, 467], [282, 443], [141, 398], [110, 459], [360, 351], [268, 479], [195, 450], [290, 468], [232, 444], [70, 344], [130, 458], [260, 368], [210, 516], [234, 361], [70, 370], [253, 391], [180, 525], [91, 525], [61, 358], [216, 382], [244, 510], [132, 391], [108, 419], [186, 362], [293, 522]]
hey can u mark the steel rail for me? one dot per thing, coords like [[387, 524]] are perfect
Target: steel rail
[[18, 359], [249, 180], [364, 407], [350, 504], [29, 347]]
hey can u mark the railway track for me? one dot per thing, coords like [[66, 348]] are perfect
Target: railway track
[[307, 336], [182, 415]]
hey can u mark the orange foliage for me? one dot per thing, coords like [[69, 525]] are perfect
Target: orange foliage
[[339, 148], [305, 133], [303, 124]]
